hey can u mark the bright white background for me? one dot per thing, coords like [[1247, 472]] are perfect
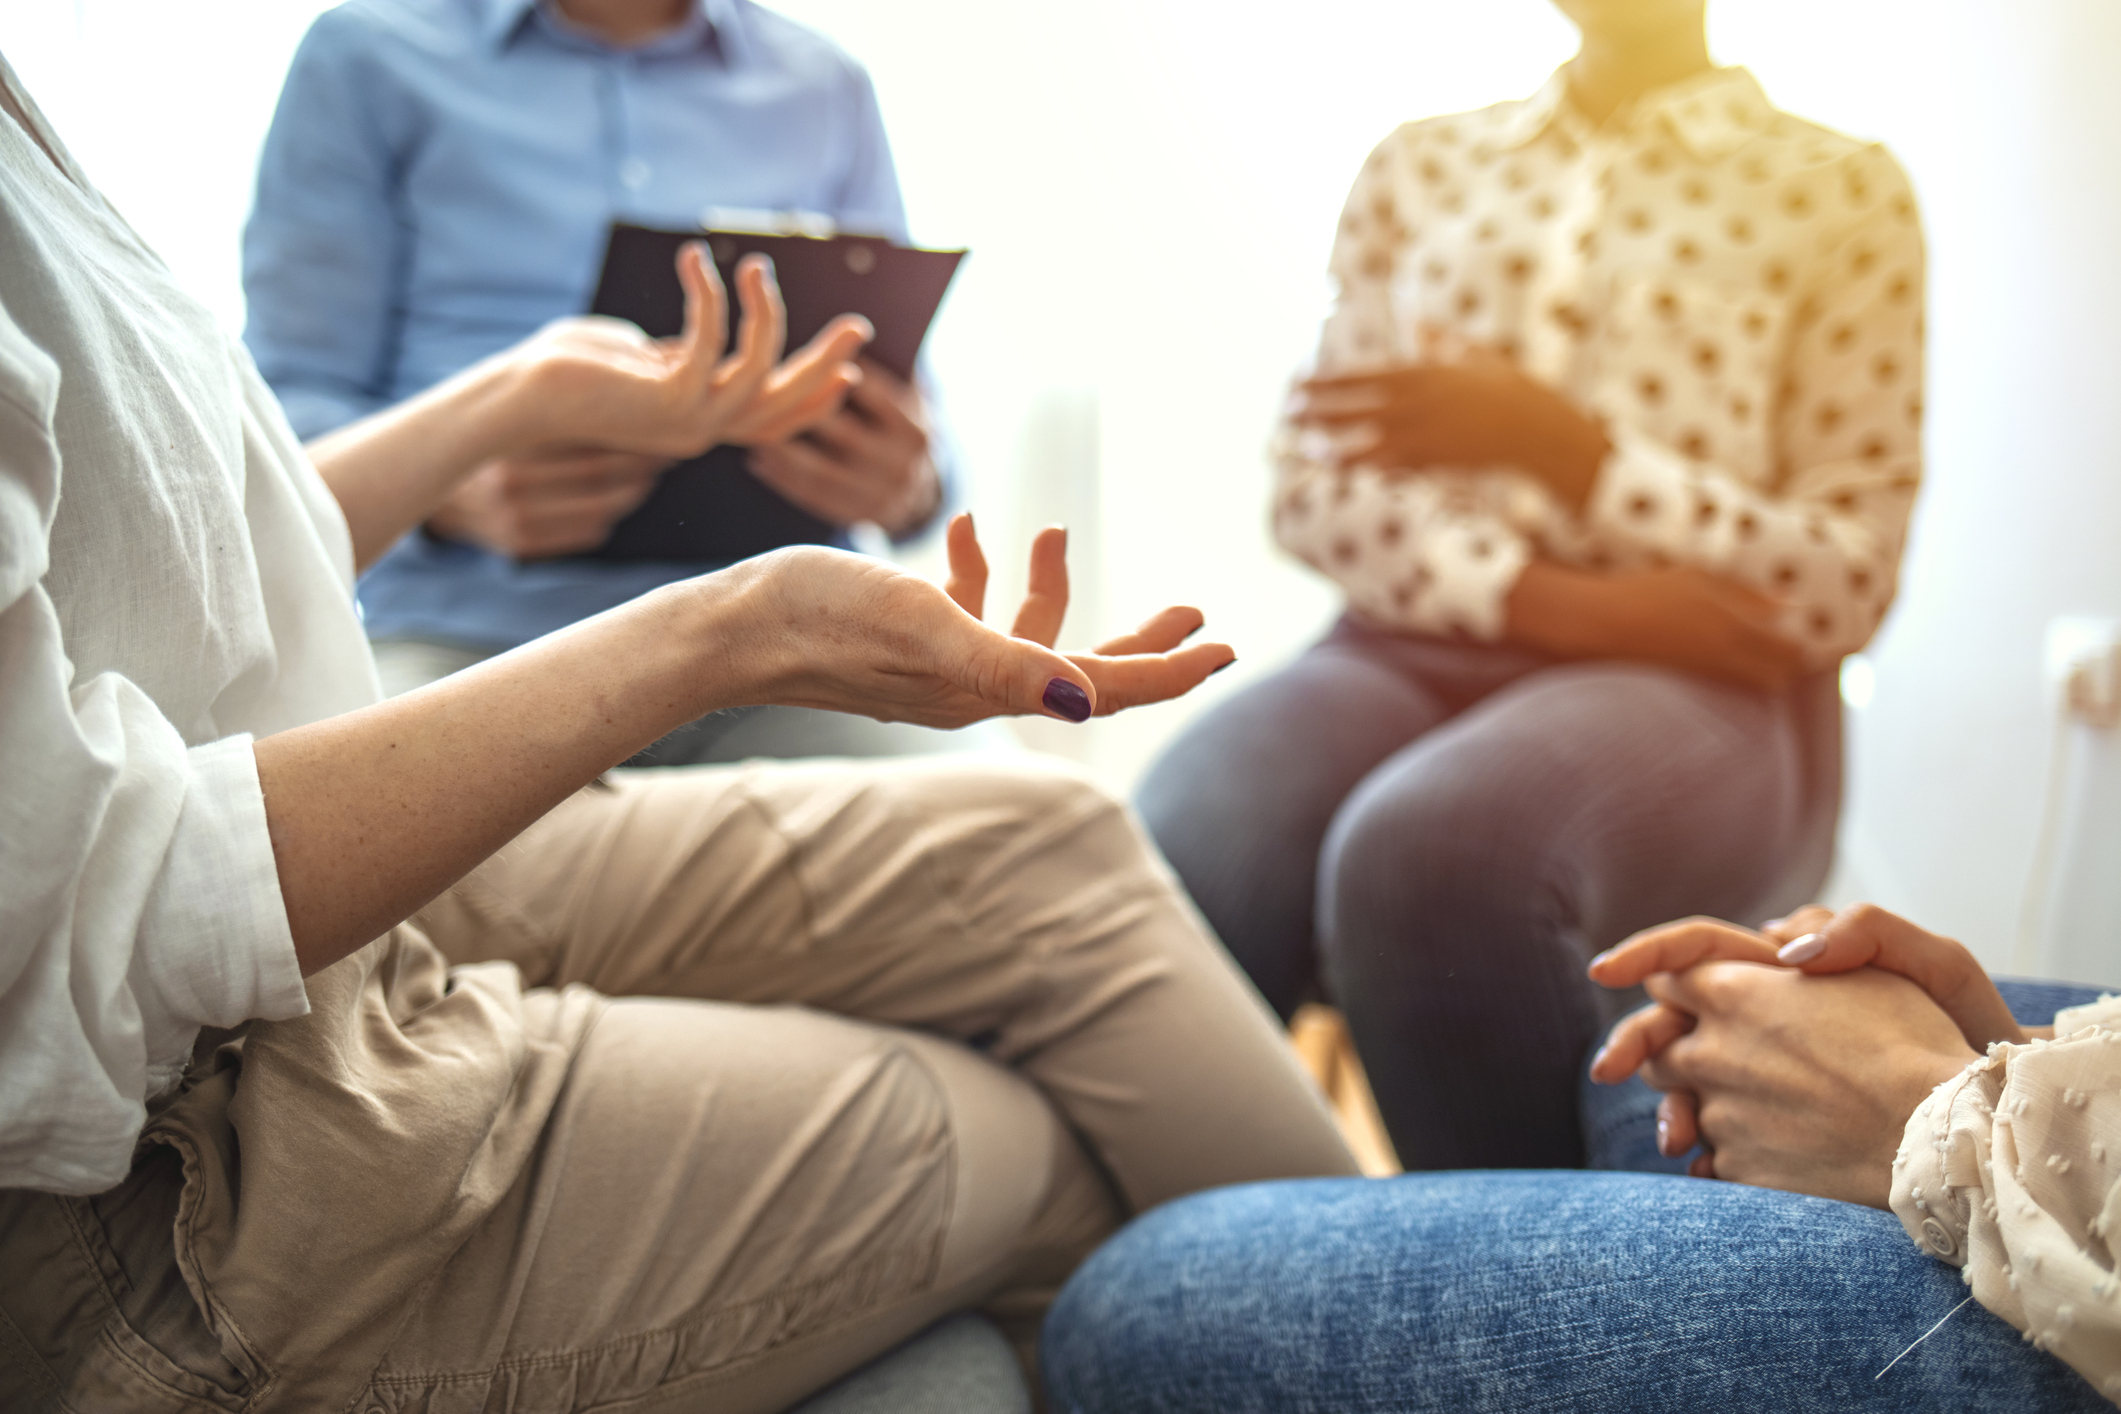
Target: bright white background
[[1149, 188]]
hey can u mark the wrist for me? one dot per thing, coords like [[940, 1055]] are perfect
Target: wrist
[[925, 501], [507, 405], [1576, 451], [1557, 610], [717, 637]]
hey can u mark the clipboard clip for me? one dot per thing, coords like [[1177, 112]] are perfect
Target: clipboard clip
[[752, 221]]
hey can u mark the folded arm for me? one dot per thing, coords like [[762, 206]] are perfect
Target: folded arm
[[375, 812], [1639, 542]]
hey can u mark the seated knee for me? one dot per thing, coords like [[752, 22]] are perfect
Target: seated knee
[[1021, 809], [1419, 855]]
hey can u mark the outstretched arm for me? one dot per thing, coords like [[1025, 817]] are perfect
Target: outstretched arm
[[375, 812]]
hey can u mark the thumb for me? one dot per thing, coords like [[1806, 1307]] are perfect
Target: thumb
[[1865, 935], [1016, 677]]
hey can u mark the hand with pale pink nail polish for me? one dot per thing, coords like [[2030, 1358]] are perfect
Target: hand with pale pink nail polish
[[1788, 1081], [1794, 1053]]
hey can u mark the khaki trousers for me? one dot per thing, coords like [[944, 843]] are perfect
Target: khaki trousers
[[830, 1051]]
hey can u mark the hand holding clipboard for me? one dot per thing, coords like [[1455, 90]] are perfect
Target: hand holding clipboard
[[712, 508]]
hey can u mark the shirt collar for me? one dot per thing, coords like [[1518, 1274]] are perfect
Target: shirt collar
[[1714, 112], [706, 22]]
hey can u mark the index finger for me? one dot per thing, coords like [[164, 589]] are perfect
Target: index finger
[[1674, 947], [764, 328], [1046, 595], [706, 308], [810, 384], [967, 583]]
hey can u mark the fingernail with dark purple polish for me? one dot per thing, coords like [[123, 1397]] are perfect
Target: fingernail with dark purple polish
[[1065, 699]]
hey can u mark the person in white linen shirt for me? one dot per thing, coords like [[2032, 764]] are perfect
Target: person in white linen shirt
[[928, 1031], [1614, 433]]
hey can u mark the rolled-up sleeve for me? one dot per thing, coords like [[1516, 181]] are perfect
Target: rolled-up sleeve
[[2012, 1171], [140, 899], [1424, 552]]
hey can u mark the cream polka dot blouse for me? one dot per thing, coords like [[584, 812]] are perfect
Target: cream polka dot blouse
[[1735, 292], [2011, 1171]]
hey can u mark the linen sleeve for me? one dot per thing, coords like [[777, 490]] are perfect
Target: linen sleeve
[[1417, 551], [325, 248], [139, 900], [2012, 1171], [1825, 538]]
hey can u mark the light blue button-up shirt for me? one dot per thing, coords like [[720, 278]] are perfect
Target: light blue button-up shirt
[[437, 184]]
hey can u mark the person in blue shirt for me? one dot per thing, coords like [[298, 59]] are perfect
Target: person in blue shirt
[[437, 185]]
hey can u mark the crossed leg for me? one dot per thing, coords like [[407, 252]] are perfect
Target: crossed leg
[[924, 1033]]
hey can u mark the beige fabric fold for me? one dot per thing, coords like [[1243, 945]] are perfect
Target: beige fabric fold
[[740, 1077]]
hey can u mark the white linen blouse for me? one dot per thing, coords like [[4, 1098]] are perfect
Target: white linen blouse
[[174, 578]]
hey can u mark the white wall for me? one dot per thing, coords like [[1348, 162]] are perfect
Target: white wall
[[2011, 124], [1149, 188]]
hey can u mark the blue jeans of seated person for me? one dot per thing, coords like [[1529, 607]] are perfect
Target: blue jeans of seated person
[[1437, 835], [1593, 1293]]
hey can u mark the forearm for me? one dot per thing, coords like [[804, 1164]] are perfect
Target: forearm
[[376, 812], [1408, 550], [1556, 609], [391, 470], [1825, 545]]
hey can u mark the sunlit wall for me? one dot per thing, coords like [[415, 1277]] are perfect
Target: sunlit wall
[[1149, 188]]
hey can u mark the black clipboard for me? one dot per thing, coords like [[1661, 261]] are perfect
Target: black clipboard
[[712, 508]]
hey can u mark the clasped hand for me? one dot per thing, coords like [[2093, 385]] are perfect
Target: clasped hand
[[1468, 407], [1794, 1055]]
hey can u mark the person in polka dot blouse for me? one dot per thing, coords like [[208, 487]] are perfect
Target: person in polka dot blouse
[[1694, 342], [1611, 442]]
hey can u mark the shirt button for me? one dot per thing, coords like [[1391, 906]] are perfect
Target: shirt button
[[1939, 1240], [634, 173]]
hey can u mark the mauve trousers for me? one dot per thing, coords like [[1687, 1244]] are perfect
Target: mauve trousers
[[1436, 836]]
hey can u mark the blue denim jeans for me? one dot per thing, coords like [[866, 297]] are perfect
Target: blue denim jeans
[[1436, 836], [1595, 1293]]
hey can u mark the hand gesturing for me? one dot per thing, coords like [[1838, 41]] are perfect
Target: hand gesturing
[[852, 634]]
